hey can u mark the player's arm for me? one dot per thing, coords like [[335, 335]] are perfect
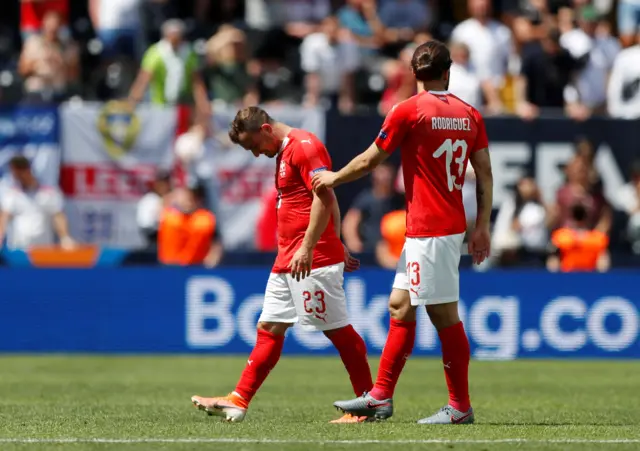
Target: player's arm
[[481, 163], [394, 129], [361, 165], [321, 208], [337, 220]]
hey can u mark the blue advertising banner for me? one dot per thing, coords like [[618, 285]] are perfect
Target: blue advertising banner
[[507, 314], [34, 133]]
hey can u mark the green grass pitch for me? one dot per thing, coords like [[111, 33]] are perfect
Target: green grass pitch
[[116, 403]]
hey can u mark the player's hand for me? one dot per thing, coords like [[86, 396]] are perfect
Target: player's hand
[[480, 244], [351, 263], [323, 180], [301, 263]]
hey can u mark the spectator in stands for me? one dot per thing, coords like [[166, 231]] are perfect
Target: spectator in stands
[[225, 73], [117, 25], [404, 18], [32, 14], [401, 82], [194, 150], [393, 228], [628, 20], [580, 190], [329, 60], [361, 18], [579, 247], [623, 96], [628, 200], [546, 71], [150, 207], [361, 224], [491, 48], [464, 81], [49, 64], [633, 227], [520, 229], [596, 53], [31, 212], [187, 233], [168, 69]]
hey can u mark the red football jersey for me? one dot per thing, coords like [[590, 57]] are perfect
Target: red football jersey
[[301, 156], [436, 132]]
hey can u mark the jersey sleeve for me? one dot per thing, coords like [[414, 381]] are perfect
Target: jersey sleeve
[[310, 158], [394, 128], [482, 142]]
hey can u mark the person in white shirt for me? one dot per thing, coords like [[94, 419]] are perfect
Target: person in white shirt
[[623, 94], [150, 207], [521, 224], [117, 24], [330, 59], [491, 49], [463, 81], [31, 212], [589, 92]]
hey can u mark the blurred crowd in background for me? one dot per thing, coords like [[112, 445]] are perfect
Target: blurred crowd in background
[[573, 58], [523, 57]]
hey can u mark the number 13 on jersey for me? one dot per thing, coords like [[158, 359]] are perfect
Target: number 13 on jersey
[[448, 148]]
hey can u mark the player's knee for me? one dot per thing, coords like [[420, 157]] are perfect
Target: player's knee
[[274, 328], [400, 306], [443, 315]]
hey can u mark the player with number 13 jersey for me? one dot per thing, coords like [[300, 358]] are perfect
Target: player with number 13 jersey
[[438, 134]]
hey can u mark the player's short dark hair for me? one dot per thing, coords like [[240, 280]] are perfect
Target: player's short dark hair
[[19, 162], [248, 119], [431, 61]]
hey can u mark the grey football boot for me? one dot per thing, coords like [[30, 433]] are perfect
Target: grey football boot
[[449, 415], [367, 406]]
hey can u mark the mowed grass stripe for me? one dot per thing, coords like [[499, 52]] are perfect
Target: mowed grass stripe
[[311, 442]]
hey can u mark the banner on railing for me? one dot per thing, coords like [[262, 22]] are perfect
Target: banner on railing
[[242, 179], [110, 154], [507, 315], [32, 132]]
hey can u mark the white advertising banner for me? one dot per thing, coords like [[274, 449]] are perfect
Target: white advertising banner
[[109, 157]]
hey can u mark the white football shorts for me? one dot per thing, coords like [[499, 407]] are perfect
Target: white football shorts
[[317, 302], [428, 269]]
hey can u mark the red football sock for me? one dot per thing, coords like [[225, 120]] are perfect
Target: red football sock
[[456, 356], [263, 358], [397, 349], [353, 352]]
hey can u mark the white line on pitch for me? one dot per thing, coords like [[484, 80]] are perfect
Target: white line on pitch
[[318, 442]]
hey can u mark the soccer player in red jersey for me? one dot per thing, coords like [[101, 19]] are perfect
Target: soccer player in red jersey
[[306, 282], [437, 134]]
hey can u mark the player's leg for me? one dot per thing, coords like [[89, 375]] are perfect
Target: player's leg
[[278, 314], [321, 304], [398, 347], [439, 292]]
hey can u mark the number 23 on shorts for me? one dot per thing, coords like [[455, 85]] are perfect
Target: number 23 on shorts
[[317, 298], [413, 276]]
